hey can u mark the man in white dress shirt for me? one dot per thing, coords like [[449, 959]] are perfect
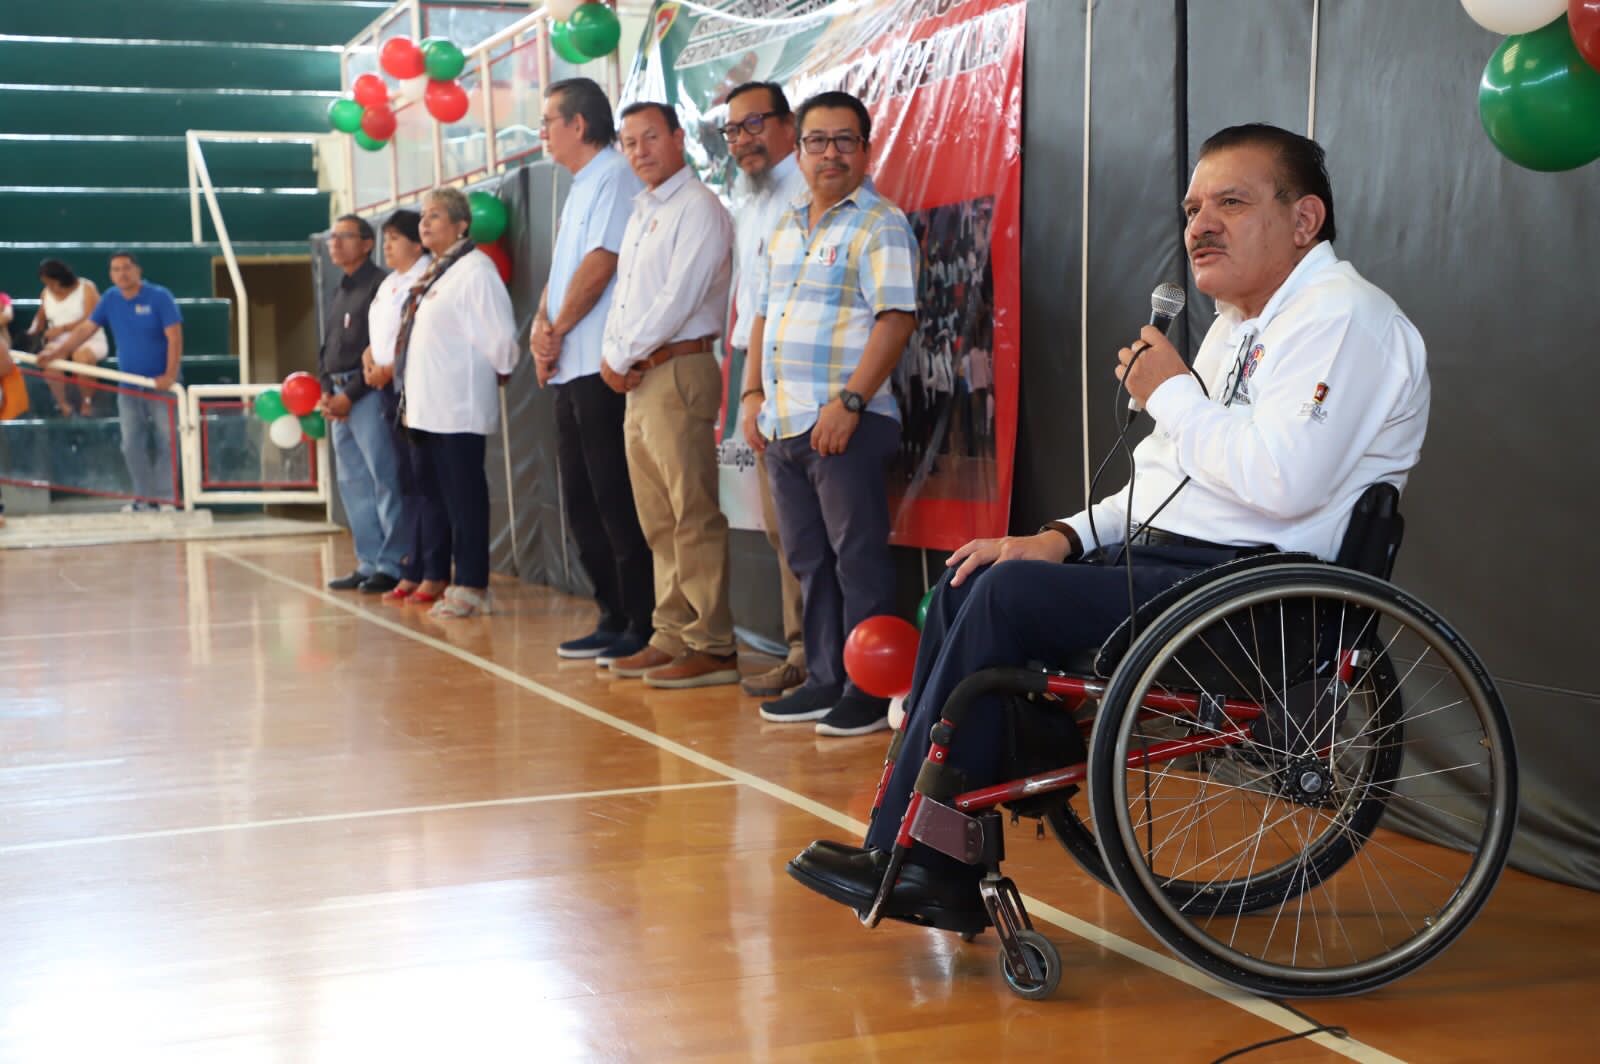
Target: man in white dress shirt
[[668, 308], [1310, 386], [761, 138]]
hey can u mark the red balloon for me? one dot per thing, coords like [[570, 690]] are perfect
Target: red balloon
[[446, 101], [401, 58], [1583, 17], [370, 91], [881, 654], [379, 122], [501, 259], [301, 392]]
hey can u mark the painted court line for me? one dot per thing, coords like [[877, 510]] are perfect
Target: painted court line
[[366, 814], [1170, 966]]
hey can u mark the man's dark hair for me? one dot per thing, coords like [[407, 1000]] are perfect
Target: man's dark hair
[[130, 256], [836, 99], [665, 111], [407, 223], [780, 102], [1302, 164], [363, 227], [582, 97], [58, 271]]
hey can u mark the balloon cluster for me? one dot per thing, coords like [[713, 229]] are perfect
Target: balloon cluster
[[426, 72], [1539, 99], [489, 218], [580, 31], [291, 411]]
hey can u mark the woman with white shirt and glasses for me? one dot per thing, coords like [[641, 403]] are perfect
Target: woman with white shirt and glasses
[[424, 528], [457, 337]]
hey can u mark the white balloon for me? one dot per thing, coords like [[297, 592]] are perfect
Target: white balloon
[[412, 89], [285, 432], [561, 10], [1514, 16]]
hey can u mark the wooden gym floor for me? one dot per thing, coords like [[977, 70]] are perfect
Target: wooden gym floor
[[246, 819]]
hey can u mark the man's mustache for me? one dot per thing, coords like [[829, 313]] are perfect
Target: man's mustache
[[1206, 242]]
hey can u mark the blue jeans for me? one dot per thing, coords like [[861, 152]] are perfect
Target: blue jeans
[[147, 420], [369, 485]]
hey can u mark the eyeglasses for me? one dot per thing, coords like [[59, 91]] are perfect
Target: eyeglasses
[[750, 124], [345, 236], [845, 143], [546, 123]]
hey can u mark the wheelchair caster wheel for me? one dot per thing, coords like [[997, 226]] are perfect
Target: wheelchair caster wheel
[[1042, 956]]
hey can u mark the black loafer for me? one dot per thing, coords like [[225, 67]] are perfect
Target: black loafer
[[850, 875], [348, 583], [379, 584]]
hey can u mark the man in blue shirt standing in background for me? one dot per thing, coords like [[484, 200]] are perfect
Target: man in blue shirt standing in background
[[148, 330]]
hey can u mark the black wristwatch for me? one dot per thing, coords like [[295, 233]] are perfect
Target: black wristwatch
[[852, 401]]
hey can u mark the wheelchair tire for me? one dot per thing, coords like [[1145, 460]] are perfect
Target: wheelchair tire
[[1344, 837], [1041, 952]]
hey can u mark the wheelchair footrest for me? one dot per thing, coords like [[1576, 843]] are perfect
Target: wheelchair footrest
[[973, 840]]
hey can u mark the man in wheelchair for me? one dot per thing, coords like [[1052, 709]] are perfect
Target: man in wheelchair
[[1310, 386]]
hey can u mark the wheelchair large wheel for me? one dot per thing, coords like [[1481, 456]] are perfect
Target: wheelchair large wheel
[[1302, 781]]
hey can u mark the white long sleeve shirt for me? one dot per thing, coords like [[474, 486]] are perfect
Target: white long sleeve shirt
[[755, 215], [673, 270], [383, 316], [1322, 394], [463, 337]]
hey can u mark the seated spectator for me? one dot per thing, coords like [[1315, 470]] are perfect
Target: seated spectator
[[66, 300]]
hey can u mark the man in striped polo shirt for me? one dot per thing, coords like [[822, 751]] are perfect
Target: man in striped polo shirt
[[834, 308]]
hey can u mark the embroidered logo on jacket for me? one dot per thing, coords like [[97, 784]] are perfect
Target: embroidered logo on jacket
[[1314, 409]]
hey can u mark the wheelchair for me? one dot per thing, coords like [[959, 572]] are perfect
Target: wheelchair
[[1299, 777]]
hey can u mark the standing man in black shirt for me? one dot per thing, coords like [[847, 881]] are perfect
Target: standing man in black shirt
[[363, 443]]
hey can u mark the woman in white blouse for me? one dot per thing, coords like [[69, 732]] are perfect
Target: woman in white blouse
[[66, 300], [425, 530], [457, 338]]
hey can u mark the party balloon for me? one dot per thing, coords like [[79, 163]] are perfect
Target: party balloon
[[1540, 102], [881, 654], [561, 10], [301, 392], [922, 607], [401, 59], [368, 143], [412, 89], [562, 44], [344, 114], [488, 217], [1583, 16], [284, 432], [444, 60], [378, 122], [314, 425], [594, 29], [269, 406], [1513, 16], [370, 91], [501, 259], [446, 101]]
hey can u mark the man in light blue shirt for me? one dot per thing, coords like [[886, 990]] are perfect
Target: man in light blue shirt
[[577, 131]]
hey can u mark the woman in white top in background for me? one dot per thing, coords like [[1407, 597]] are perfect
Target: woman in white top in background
[[66, 300], [425, 530], [457, 339]]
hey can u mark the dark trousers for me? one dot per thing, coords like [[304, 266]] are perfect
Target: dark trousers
[[598, 496], [833, 518], [451, 464], [1010, 614]]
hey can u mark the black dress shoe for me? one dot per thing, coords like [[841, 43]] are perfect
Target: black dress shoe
[[850, 875], [379, 584], [348, 583]]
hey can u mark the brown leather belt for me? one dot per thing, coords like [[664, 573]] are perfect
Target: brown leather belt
[[667, 352]]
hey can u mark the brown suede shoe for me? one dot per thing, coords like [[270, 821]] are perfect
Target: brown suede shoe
[[695, 668], [778, 680], [636, 665]]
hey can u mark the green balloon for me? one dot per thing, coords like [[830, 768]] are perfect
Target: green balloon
[[313, 425], [344, 115], [1540, 102], [442, 59], [922, 607], [269, 406], [488, 217], [369, 143], [562, 44], [594, 29]]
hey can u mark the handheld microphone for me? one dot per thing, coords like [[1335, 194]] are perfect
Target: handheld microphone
[[1166, 303]]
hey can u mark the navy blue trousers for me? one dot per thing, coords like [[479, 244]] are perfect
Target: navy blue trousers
[[1010, 614], [424, 526], [452, 475]]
